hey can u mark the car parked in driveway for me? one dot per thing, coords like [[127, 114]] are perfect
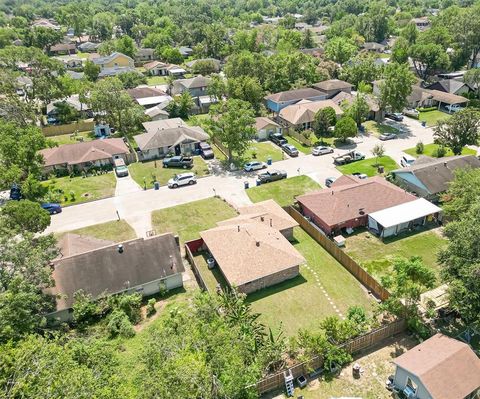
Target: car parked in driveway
[[178, 161], [329, 181], [206, 151], [387, 136], [182, 179], [453, 108], [290, 150], [52, 208], [272, 175], [360, 175], [121, 169], [396, 116], [320, 150], [254, 165], [277, 138]]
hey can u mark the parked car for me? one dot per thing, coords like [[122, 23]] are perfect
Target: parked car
[[182, 179], [412, 112], [396, 116], [387, 136], [319, 150], [51, 208], [272, 175], [350, 156], [121, 169], [178, 162], [254, 165], [453, 108], [278, 139], [360, 175], [51, 120], [329, 181], [407, 160], [290, 150], [206, 151]]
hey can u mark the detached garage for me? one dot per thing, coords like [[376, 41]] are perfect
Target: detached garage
[[393, 220]]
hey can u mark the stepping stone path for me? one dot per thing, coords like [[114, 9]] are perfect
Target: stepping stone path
[[319, 284]]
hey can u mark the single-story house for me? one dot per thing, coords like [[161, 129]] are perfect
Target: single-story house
[[276, 102], [158, 112], [185, 51], [84, 155], [439, 368], [70, 61], [373, 47], [349, 201], [88, 47], [45, 23], [142, 265], [452, 86], [421, 23], [63, 49], [316, 52], [430, 178], [74, 102], [156, 68], [265, 126], [250, 254], [114, 61], [196, 86], [149, 96], [145, 55], [332, 87], [300, 116], [216, 63], [396, 219], [169, 135], [75, 75], [374, 110]]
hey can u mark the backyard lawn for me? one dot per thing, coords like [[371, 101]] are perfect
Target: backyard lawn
[[368, 166], [300, 302], [376, 255], [74, 190], [72, 138], [432, 117], [378, 128], [283, 191], [117, 231], [156, 80], [430, 149], [211, 277], [148, 170], [189, 219]]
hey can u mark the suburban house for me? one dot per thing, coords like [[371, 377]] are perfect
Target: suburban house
[[70, 61], [73, 101], [158, 112], [373, 47], [169, 136], [452, 86], [142, 265], [149, 96], [216, 63], [348, 202], [197, 87], [429, 177], [332, 87], [88, 47], [251, 251], [374, 110], [45, 23], [158, 68], [63, 49], [185, 51], [265, 126], [84, 155], [439, 368], [144, 55], [300, 116], [276, 102], [114, 63], [421, 23]]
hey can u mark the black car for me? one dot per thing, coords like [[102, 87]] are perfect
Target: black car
[[396, 116], [206, 151], [278, 139]]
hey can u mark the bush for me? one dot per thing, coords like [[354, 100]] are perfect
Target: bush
[[151, 307], [419, 148], [119, 325], [439, 152], [426, 109], [128, 304]]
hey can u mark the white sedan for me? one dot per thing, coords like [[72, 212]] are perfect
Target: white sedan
[[321, 150], [453, 108], [255, 165]]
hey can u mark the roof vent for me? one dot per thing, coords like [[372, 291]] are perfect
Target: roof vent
[[258, 243], [120, 248], [238, 228], [445, 164], [271, 222], [262, 218]]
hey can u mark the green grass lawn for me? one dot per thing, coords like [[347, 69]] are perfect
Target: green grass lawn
[[376, 255], [283, 191], [378, 128], [147, 170], [156, 80], [430, 149], [197, 120], [299, 302], [218, 154], [189, 219], [117, 231], [83, 188], [82, 55], [71, 138], [211, 277], [368, 166], [432, 117], [299, 146], [262, 151]]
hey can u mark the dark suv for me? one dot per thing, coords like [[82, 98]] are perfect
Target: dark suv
[[206, 151], [278, 139]]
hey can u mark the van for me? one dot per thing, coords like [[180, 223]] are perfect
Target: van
[[121, 169], [407, 160]]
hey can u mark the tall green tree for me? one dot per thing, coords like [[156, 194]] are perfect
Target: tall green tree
[[396, 87], [358, 109], [247, 89], [340, 49], [472, 77], [428, 59], [463, 192], [324, 119], [360, 69], [25, 215], [400, 50], [345, 128], [462, 129]]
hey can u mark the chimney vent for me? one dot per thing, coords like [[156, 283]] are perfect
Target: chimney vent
[[238, 228], [445, 164], [271, 222], [262, 218], [120, 248], [258, 243]]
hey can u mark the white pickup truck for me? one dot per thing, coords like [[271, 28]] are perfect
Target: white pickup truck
[[350, 156]]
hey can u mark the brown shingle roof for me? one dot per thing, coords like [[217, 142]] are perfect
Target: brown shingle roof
[[89, 151], [448, 368], [332, 84], [294, 95], [305, 110], [144, 92], [262, 122], [63, 47], [72, 244], [106, 271], [154, 64], [341, 203]]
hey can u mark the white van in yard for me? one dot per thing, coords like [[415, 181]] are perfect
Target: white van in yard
[[407, 160]]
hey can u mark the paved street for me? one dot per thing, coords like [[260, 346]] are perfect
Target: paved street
[[135, 205]]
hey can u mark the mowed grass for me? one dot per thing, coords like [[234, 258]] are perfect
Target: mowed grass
[[369, 166], [378, 128], [116, 231], [300, 302], [154, 171], [83, 188], [72, 138], [433, 117], [430, 150], [189, 219], [376, 256], [299, 146], [211, 277], [156, 80], [263, 151], [283, 191]]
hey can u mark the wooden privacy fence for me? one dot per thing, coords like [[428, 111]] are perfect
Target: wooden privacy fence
[[276, 381], [190, 248], [299, 137], [346, 261], [220, 146], [81, 126]]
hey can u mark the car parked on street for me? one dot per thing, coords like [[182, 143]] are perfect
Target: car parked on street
[[206, 151], [182, 179], [254, 165], [277, 138], [453, 108], [272, 175], [51, 208], [396, 116], [321, 150], [329, 181], [387, 136], [290, 150]]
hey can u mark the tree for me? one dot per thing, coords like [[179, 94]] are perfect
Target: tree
[[126, 45], [472, 78], [232, 124], [428, 59], [378, 151], [65, 112], [246, 64], [396, 87], [132, 79], [217, 88], [43, 38], [204, 67], [25, 215], [460, 130], [307, 39], [324, 119], [340, 49], [170, 54], [410, 33], [345, 128], [463, 192], [91, 71], [247, 89], [358, 109], [102, 26], [400, 50], [185, 104], [360, 69]]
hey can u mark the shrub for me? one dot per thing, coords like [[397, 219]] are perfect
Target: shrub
[[128, 304], [72, 196], [119, 325], [439, 152], [426, 109], [419, 148], [151, 307]]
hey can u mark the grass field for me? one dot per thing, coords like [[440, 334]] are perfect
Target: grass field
[[432, 117], [83, 188], [300, 302], [189, 219], [299, 146], [263, 151], [368, 166], [147, 170], [378, 128], [376, 255], [283, 191], [116, 231], [72, 139], [156, 80], [430, 149]]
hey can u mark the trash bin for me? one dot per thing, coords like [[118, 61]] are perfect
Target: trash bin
[[156, 185], [381, 169], [269, 160], [258, 182], [424, 123], [245, 184]]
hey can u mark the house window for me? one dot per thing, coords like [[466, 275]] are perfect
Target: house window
[[410, 388]]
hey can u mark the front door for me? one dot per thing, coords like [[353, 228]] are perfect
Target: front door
[[177, 150]]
